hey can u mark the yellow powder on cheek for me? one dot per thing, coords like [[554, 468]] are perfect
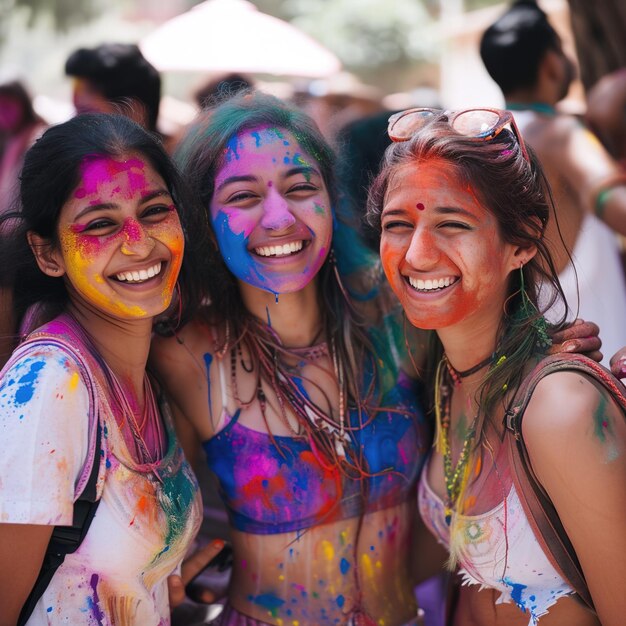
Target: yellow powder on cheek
[[84, 281]]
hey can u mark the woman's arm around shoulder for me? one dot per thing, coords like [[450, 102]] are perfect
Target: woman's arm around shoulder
[[184, 365], [575, 433]]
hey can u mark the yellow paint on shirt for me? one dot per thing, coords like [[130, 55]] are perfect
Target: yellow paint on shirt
[[73, 381]]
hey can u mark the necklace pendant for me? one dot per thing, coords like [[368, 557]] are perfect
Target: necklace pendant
[[447, 514]]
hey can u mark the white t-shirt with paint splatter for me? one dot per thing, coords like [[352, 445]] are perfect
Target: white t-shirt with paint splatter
[[143, 525]]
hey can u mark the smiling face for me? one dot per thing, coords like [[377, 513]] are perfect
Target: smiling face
[[121, 242], [271, 212], [441, 249]]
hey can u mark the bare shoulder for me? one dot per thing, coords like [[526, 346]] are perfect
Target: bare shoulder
[[571, 413], [177, 356], [575, 433]]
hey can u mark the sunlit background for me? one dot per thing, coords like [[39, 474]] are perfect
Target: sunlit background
[[394, 52]]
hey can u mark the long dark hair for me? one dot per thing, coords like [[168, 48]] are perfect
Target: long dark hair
[[50, 173], [517, 193], [200, 155]]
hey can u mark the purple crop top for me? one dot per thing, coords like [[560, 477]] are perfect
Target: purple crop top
[[270, 492]]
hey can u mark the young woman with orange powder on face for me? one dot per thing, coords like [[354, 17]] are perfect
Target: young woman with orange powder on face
[[462, 208], [98, 241]]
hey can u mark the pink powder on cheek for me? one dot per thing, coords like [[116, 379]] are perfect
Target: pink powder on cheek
[[75, 242], [239, 222]]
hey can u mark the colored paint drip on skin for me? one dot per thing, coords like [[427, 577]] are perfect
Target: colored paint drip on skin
[[368, 568], [268, 601], [600, 420], [328, 550]]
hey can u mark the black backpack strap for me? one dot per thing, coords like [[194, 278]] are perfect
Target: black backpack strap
[[540, 511], [66, 539]]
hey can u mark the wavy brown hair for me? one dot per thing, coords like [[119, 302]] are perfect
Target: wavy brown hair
[[517, 193]]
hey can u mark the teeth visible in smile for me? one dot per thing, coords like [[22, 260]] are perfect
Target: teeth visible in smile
[[139, 276], [429, 284], [284, 250]]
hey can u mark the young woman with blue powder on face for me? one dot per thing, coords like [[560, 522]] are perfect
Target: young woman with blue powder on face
[[304, 412]]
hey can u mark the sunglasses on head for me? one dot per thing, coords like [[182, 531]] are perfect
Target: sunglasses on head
[[481, 124]]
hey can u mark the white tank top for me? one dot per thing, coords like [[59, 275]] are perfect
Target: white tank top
[[498, 551]]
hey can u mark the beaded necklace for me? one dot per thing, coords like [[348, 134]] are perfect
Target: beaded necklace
[[314, 420], [453, 475]]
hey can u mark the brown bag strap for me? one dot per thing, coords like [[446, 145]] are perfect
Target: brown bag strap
[[537, 505]]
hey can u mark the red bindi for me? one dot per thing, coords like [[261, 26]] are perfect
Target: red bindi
[[419, 206]]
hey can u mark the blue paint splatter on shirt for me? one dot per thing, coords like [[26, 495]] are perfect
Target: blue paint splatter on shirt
[[27, 383]]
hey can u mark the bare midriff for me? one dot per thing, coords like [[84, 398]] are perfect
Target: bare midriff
[[479, 608], [321, 575]]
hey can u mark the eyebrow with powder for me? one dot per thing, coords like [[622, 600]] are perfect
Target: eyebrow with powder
[[104, 206], [235, 179], [301, 170], [454, 210]]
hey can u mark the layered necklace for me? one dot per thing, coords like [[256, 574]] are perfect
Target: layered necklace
[[147, 435], [144, 436], [455, 476], [271, 357]]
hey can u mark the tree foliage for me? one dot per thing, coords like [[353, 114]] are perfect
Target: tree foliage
[[64, 13]]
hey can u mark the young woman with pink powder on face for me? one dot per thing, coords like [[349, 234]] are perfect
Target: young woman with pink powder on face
[[291, 386], [98, 242]]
